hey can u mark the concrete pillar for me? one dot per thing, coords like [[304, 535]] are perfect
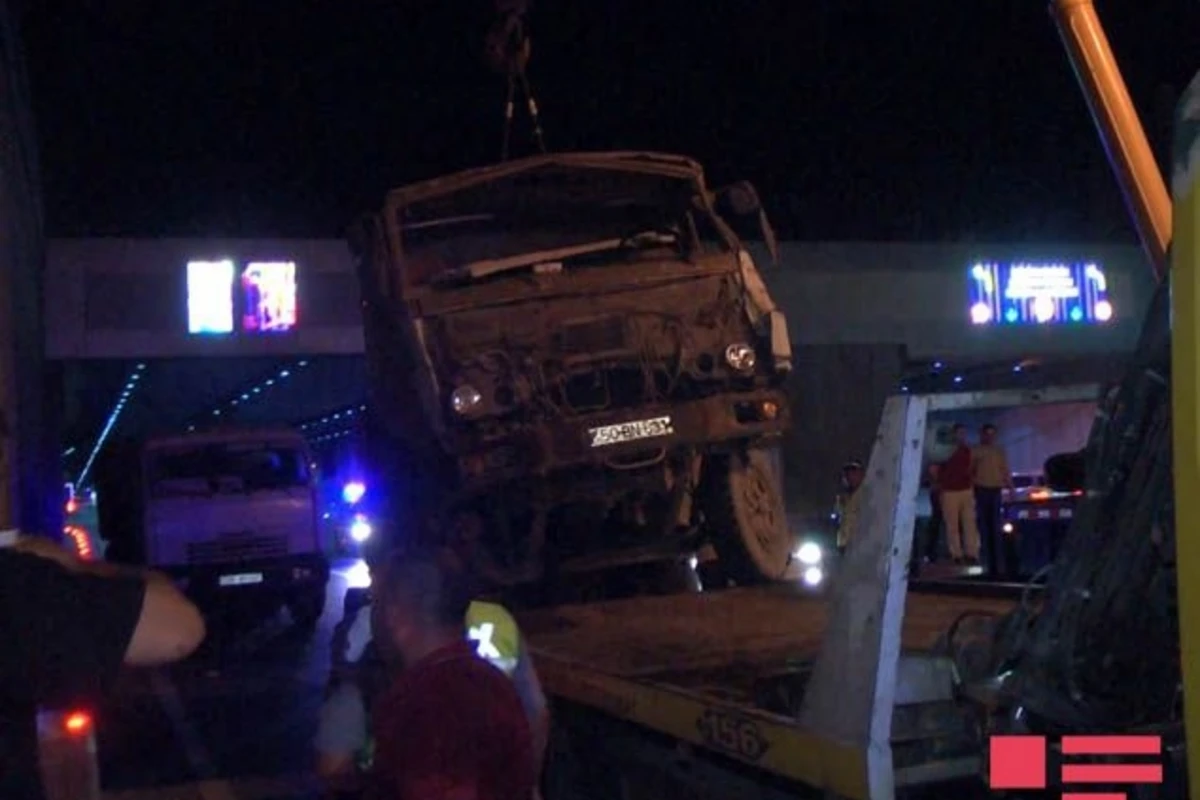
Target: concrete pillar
[[26, 465]]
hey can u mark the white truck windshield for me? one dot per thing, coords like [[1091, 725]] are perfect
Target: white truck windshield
[[227, 469]]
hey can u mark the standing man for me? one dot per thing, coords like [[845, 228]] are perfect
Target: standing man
[[992, 477], [343, 742], [848, 504], [958, 501], [450, 725]]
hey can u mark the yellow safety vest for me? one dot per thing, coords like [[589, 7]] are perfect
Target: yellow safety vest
[[495, 634]]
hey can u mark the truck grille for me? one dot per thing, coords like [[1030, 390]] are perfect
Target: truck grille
[[236, 547], [591, 338], [611, 389]]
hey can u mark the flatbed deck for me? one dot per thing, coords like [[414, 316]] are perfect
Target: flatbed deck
[[724, 670], [647, 636]]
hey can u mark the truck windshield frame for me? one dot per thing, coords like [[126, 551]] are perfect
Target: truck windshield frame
[[227, 468], [594, 217]]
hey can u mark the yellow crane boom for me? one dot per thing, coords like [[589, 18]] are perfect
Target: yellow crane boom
[[1121, 131]]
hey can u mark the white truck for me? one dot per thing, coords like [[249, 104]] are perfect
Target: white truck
[[231, 514]]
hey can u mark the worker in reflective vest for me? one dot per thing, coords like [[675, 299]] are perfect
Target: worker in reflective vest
[[343, 740], [498, 640]]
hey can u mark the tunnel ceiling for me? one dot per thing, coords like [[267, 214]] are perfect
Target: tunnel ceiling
[[168, 396]]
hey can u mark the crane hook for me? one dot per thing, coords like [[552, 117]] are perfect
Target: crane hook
[[507, 49]]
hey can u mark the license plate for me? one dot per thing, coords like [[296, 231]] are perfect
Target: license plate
[[631, 431], [242, 579]]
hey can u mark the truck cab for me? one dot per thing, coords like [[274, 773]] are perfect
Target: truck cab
[[584, 354], [232, 514]]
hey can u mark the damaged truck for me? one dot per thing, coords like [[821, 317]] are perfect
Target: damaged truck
[[572, 360]]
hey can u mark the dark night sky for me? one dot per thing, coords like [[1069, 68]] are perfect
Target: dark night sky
[[909, 119]]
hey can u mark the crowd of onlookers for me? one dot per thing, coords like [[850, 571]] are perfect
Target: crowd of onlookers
[[965, 495]]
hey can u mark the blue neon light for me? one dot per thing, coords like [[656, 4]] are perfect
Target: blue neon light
[[1028, 293], [127, 391]]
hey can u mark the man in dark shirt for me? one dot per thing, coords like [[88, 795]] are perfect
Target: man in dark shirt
[[66, 627], [957, 485], [451, 726]]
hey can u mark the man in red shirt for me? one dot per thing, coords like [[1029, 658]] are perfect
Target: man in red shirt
[[451, 726], [957, 485]]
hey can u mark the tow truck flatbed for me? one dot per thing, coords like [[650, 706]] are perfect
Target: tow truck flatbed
[[763, 628], [724, 671], [774, 686]]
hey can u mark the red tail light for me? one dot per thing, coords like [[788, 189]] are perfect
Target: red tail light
[[78, 723], [72, 506], [79, 539]]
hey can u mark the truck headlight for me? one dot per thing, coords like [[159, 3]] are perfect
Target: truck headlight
[[360, 529], [809, 554], [740, 357], [465, 399]]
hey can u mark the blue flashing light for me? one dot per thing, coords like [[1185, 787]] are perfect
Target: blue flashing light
[[353, 491]]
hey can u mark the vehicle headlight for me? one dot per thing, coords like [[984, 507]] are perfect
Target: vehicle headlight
[[465, 399], [813, 576], [740, 356], [809, 554], [360, 529]]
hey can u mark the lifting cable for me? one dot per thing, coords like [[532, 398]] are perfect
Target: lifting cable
[[508, 50]]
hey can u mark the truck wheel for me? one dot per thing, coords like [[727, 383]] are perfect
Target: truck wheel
[[748, 521], [306, 609]]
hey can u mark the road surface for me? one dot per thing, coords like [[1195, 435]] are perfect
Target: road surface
[[234, 722]]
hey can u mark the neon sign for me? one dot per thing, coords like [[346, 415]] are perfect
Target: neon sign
[[1026, 293], [210, 296], [269, 296], [262, 296]]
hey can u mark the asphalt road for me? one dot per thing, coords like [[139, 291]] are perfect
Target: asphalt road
[[234, 722]]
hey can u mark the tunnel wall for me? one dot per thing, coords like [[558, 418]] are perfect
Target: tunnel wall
[[31, 496], [837, 394]]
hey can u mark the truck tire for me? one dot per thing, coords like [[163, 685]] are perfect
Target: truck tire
[[306, 608], [747, 518]]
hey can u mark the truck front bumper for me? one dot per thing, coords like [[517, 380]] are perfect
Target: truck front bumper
[[276, 577], [619, 437]]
